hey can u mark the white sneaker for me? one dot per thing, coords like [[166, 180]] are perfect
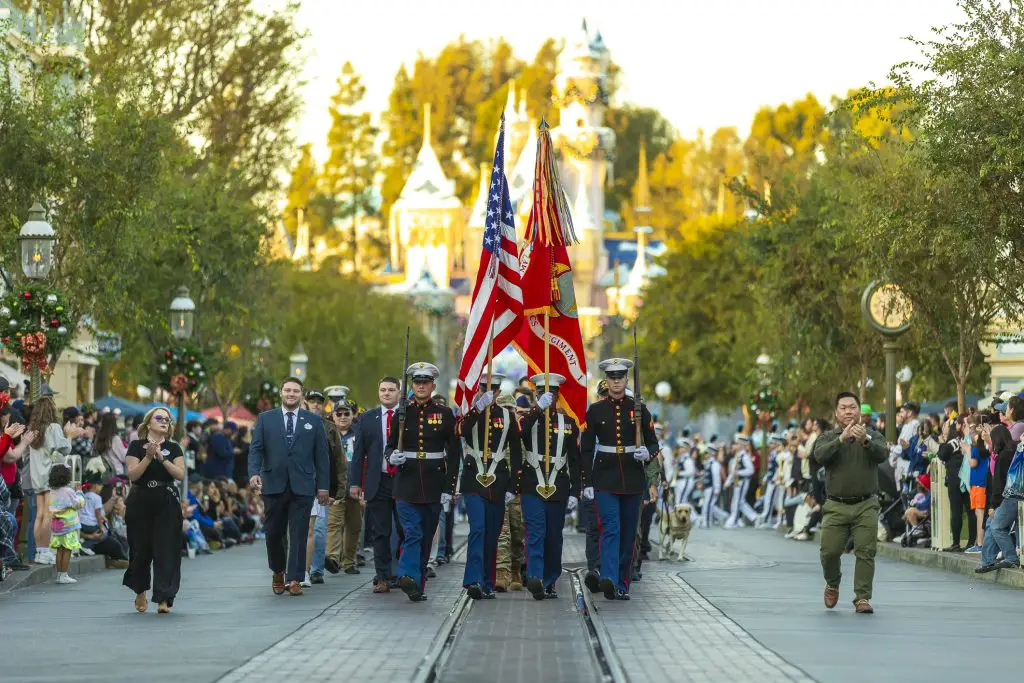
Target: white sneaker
[[44, 557], [305, 582], [66, 578], [86, 551]]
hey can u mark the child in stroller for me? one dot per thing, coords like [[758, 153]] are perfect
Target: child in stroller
[[918, 524]]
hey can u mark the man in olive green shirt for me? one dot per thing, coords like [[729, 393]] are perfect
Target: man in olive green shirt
[[850, 454]]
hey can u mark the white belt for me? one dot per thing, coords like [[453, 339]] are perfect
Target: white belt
[[486, 477], [615, 449], [558, 459], [420, 455]]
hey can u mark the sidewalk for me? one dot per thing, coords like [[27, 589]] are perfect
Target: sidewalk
[[957, 563], [47, 573]]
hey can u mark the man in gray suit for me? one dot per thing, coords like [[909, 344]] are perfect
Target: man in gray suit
[[289, 464]]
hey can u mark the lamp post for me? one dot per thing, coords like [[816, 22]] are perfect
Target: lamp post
[[297, 363], [889, 311], [36, 239], [662, 390], [182, 317]]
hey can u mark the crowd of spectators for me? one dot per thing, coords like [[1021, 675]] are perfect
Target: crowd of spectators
[[217, 513]]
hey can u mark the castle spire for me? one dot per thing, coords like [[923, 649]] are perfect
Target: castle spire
[[510, 104], [643, 190]]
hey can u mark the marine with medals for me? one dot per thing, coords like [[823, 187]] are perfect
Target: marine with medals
[[424, 447], [490, 473], [615, 476], [547, 486]]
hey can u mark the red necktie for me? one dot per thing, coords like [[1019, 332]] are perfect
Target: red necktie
[[391, 468]]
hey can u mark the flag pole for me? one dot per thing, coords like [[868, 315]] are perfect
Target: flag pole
[[487, 410], [547, 388]]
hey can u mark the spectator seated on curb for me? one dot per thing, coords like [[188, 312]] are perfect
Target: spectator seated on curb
[[96, 533], [806, 506], [210, 528]]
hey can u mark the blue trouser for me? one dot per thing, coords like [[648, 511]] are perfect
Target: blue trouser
[[419, 522], [543, 521], [617, 515], [287, 529], [28, 521], [485, 519], [316, 565], [998, 536]]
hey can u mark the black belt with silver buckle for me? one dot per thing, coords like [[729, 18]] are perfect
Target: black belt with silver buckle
[[850, 501]]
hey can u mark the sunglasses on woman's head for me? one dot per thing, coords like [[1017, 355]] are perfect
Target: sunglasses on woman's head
[[161, 418]]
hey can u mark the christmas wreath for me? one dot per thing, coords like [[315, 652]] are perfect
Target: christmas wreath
[[263, 396], [763, 400], [181, 370], [34, 324]]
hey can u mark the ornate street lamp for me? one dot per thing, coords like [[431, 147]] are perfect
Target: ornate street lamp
[[183, 314], [297, 363], [36, 239]]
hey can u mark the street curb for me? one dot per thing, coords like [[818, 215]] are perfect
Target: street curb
[[955, 563], [47, 573]]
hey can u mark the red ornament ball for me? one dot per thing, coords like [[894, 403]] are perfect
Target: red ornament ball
[[168, 354], [54, 322], [26, 295]]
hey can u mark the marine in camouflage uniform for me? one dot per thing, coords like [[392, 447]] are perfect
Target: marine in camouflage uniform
[[511, 540]]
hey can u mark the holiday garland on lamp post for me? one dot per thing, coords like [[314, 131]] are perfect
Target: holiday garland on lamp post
[[34, 325], [181, 370]]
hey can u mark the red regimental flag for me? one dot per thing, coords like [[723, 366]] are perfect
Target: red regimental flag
[[546, 281]]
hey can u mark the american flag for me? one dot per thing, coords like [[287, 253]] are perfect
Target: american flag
[[497, 309]]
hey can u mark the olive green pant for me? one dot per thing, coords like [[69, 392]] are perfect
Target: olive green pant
[[839, 522], [344, 524], [510, 540]]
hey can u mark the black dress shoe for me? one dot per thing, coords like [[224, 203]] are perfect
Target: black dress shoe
[[475, 591], [490, 596], [953, 549], [636, 575], [592, 581], [431, 574], [331, 565], [351, 570], [411, 588], [608, 588], [986, 568], [621, 596], [550, 594], [1003, 564], [316, 577], [536, 588]]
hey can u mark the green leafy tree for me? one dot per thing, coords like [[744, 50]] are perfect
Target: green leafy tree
[[348, 174]]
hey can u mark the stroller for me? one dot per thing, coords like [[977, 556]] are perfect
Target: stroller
[[893, 504]]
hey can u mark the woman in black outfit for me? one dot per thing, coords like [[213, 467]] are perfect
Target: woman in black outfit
[[155, 466], [955, 443]]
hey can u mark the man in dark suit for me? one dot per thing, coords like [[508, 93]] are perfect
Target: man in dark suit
[[371, 478], [289, 464]]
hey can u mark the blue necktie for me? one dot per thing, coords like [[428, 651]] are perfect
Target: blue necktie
[[289, 430]]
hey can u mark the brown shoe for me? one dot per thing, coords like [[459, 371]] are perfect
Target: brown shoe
[[294, 588], [831, 596], [501, 580], [381, 587], [516, 581], [277, 583], [864, 607]]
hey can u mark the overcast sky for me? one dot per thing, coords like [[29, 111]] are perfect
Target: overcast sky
[[703, 64]]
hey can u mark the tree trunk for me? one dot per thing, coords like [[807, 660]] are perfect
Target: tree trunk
[[863, 381], [961, 396]]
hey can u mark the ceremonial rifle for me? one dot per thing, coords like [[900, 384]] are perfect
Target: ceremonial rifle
[[403, 388], [638, 402]]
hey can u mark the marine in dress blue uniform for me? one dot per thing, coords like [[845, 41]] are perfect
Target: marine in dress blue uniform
[[544, 517], [487, 484], [427, 467], [616, 476]]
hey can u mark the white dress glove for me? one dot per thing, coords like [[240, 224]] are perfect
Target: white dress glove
[[588, 493], [572, 503], [446, 501], [545, 401], [483, 400], [642, 454], [397, 458], [509, 497]]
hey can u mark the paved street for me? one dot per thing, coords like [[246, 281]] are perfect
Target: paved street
[[747, 608]]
